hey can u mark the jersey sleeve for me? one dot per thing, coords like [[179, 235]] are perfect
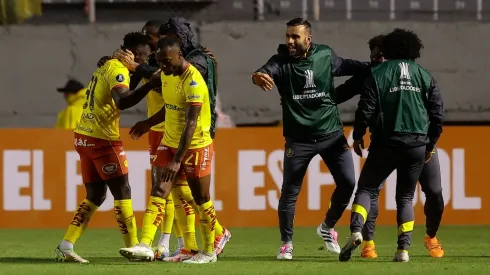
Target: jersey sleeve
[[118, 77], [195, 90]]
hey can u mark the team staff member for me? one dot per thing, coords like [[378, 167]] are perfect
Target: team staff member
[[74, 94], [303, 72], [102, 157], [430, 178], [402, 106], [187, 147]]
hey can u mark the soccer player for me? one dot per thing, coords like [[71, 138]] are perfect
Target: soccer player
[[430, 178], [203, 60], [303, 72], [402, 106], [97, 141], [187, 147]]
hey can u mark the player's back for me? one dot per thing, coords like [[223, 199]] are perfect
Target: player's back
[[100, 117], [188, 88]]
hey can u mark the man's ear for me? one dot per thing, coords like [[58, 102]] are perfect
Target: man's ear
[[308, 38]]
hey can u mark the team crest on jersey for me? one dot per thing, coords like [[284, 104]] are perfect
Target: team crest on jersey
[[193, 84], [109, 168], [120, 78]]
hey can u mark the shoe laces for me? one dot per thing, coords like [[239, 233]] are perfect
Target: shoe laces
[[286, 248]]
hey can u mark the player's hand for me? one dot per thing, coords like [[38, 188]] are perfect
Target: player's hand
[[207, 51], [127, 58], [103, 60], [170, 171], [139, 129], [264, 81], [428, 155], [358, 146]]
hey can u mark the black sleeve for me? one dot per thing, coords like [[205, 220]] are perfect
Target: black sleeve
[[350, 88], [145, 70], [436, 114], [200, 63], [366, 109], [134, 80], [346, 67], [271, 67]]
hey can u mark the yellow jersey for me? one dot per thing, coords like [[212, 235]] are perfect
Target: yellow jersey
[[178, 92], [100, 116], [154, 101], [69, 117]]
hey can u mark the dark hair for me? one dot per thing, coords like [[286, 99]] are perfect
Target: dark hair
[[135, 39], [299, 22], [153, 23], [376, 42], [170, 41], [401, 44]]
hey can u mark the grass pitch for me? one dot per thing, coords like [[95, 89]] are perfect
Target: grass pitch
[[251, 251]]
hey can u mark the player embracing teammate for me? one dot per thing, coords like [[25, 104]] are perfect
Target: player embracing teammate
[[195, 88]]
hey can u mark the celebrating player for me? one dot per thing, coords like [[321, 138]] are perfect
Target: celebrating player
[[430, 178], [402, 106], [303, 72], [187, 147], [185, 206], [102, 157]]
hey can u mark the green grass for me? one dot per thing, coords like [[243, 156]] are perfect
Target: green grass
[[251, 251]]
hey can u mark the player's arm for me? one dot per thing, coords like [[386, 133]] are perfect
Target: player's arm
[[125, 98], [350, 88], [346, 67], [436, 115], [268, 73], [366, 108], [194, 98]]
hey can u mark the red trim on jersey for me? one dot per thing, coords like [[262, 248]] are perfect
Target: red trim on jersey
[[120, 86]]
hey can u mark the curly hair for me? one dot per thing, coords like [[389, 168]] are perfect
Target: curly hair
[[135, 39], [376, 41], [401, 44]]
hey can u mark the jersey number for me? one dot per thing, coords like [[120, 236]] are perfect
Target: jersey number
[[188, 161], [90, 93]]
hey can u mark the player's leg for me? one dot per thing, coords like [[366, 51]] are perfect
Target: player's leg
[[368, 246], [96, 190], [408, 172], [338, 158], [176, 227], [163, 249], [155, 211], [187, 222], [378, 166], [198, 171], [112, 166], [430, 181], [297, 157], [179, 235]]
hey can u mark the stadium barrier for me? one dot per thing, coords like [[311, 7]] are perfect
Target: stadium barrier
[[41, 182]]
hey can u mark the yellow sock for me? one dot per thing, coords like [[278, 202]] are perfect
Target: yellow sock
[[207, 217], [80, 220], [166, 226], [218, 228], [123, 210], [186, 217], [177, 207], [364, 243], [152, 219]]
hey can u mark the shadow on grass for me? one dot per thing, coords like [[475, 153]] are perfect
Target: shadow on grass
[[95, 260], [297, 259]]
